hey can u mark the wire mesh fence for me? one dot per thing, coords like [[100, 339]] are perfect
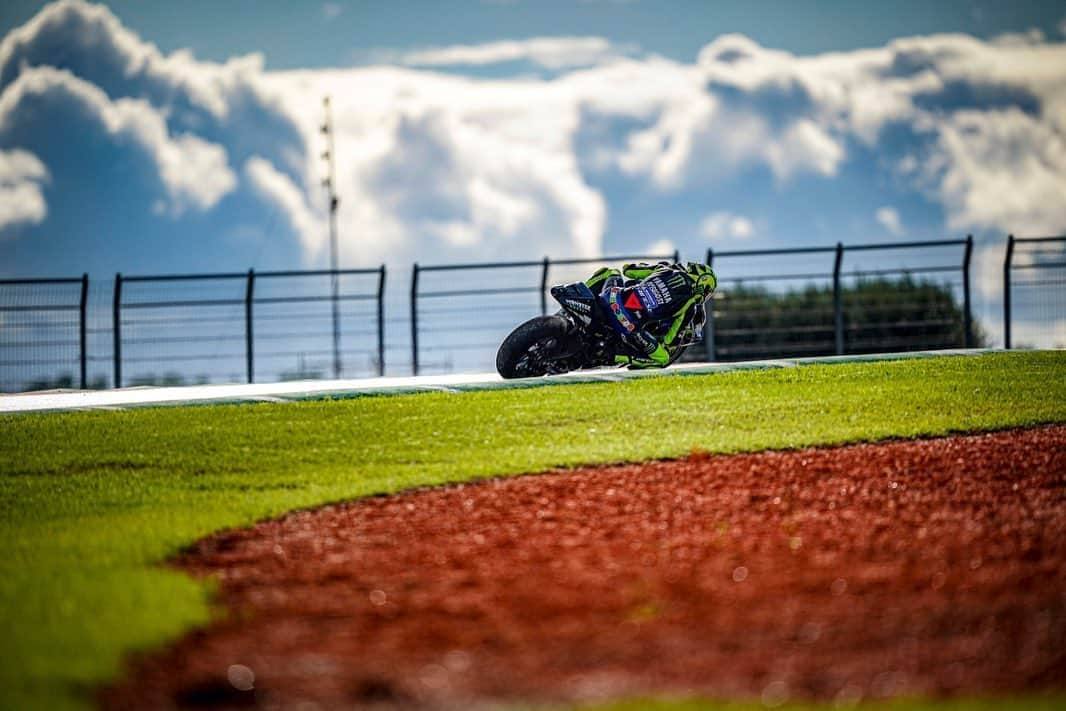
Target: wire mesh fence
[[178, 328], [1034, 283], [297, 336], [282, 325], [43, 333], [288, 325], [770, 303], [811, 301]]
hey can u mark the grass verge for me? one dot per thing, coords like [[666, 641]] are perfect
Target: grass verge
[[91, 502]]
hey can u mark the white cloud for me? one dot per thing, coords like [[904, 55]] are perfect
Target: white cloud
[[21, 196], [988, 269], [94, 39], [888, 217], [548, 52], [431, 164], [726, 225], [489, 168], [993, 164], [331, 11], [194, 171], [277, 187], [1001, 170], [805, 146]]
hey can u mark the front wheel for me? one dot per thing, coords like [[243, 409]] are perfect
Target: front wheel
[[535, 348]]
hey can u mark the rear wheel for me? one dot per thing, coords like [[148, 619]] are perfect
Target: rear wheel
[[534, 348]]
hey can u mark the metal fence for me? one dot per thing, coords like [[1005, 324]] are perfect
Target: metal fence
[[277, 325], [43, 333], [810, 301], [1040, 264], [474, 306], [233, 321]]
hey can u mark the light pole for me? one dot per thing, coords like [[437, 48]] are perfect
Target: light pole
[[330, 182]]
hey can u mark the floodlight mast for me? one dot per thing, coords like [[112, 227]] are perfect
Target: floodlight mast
[[330, 184]]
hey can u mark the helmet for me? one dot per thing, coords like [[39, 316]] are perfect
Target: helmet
[[703, 276]]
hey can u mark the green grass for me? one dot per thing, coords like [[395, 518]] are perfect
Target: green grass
[[91, 502]]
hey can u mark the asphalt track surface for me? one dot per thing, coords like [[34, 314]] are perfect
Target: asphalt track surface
[[121, 398]]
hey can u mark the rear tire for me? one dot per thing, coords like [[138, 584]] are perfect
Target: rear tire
[[515, 358]]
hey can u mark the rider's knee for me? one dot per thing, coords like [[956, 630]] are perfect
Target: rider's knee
[[660, 355]]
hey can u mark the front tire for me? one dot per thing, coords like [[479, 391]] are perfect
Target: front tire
[[527, 352]]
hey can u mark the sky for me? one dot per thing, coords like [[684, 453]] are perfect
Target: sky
[[147, 136], [337, 34]]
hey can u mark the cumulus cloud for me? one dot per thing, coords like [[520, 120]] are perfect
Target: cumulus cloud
[[484, 168], [289, 198], [726, 225], [1002, 170], [115, 59], [548, 52], [195, 172], [22, 176], [888, 217], [986, 119], [453, 166]]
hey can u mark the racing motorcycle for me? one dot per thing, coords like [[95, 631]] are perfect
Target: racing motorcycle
[[579, 336]]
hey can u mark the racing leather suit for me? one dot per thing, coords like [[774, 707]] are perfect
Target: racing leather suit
[[649, 306]]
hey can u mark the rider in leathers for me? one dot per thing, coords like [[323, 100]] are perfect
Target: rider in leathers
[[644, 299]]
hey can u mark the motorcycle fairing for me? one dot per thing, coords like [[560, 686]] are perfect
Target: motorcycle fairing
[[578, 300]]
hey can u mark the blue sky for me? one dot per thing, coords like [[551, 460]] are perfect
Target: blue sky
[[146, 136], [301, 35]]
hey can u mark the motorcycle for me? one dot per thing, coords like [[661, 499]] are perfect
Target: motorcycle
[[578, 337]]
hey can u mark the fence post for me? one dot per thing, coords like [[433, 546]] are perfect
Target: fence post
[[708, 326], [381, 321], [967, 318], [1006, 291], [116, 323], [544, 287], [81, 324], [414, 320], [838, 313], [248, 337], [335, 285]]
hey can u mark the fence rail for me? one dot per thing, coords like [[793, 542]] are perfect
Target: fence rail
[[10, 303], [835, 276], [247, 324], [242, 294], [1053, 307]]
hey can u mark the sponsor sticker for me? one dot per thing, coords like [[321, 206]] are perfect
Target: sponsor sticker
[[579, 305], [648, 297], [613, 300], [658, 290]]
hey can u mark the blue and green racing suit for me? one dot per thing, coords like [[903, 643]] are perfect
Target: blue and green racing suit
[[654, 307]]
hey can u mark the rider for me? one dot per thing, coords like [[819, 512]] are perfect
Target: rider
[[653, 294]]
